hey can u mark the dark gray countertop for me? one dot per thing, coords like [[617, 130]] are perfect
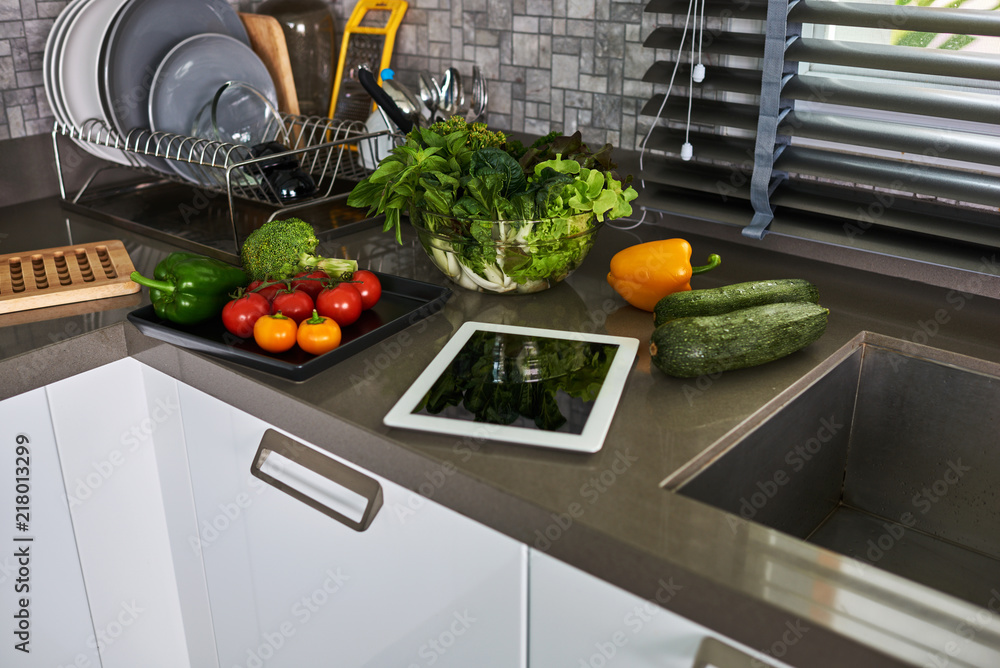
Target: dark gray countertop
[[743, 580]]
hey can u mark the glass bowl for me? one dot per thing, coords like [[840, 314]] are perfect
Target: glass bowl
[[505, 256], [238, 113]]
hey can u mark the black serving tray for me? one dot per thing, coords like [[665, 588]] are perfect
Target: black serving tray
[[404, 301]]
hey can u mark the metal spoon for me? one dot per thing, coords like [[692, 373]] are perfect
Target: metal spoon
[[429, 94], [459, 92], [480, 96], [447, 94]]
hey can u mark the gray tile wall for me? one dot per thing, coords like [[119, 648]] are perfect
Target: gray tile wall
[[551, 64]]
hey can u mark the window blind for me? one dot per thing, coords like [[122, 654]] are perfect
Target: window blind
[[789, 125]]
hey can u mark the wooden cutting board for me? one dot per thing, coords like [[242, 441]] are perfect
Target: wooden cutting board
[[268, 42], [63, 275]]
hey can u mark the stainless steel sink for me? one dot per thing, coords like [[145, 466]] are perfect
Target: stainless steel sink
[[888, 453]]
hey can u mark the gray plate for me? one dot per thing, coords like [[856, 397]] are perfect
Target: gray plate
[[188, 78], [140, 36]]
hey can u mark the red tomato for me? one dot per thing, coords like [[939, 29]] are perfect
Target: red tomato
[[341, 303], [313, 283], [240, 315], [368, 286], [296, 304], [267, 293]]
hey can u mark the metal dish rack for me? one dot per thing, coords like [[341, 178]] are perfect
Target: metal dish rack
[[326, 149]]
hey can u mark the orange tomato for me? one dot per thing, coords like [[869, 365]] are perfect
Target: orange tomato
[[318, 334], [275, 333]]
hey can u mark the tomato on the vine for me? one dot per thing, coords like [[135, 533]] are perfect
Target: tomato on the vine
[[275, 333], [240, 314], [267, 292], [341, 303], [310, 282], [296, 304], [318, 335], [368, 286]]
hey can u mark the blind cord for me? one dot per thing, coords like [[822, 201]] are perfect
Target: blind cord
[[670, 86]]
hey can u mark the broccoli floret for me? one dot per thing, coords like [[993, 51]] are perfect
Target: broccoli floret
[[282, 248], [479, 135]]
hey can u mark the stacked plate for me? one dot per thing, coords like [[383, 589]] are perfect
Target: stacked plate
[[119, 65]]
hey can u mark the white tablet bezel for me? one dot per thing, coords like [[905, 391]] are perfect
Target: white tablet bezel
[[594, 432]]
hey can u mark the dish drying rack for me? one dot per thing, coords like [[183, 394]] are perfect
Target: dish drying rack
[[326, 149]]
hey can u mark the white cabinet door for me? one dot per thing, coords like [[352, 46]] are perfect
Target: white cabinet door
[[47, 620], [107, 426], [291, 587], [580, 621]]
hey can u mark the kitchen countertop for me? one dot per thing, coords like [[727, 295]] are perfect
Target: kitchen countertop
[[604, 513]]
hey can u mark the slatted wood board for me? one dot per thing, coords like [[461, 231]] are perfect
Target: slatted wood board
[[63, 275]]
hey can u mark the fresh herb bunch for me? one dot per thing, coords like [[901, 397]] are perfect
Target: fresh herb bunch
[[462, 178]]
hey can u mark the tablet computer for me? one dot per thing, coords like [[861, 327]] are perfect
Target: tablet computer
[[525, 385]]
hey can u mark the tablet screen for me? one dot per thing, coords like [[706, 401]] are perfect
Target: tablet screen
[[527, 385]]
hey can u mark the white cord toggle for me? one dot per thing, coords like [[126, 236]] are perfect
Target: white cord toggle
[[687, 151], [699, 73]]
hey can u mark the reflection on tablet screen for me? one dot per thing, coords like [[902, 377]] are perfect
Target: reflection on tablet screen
[[530, 381]]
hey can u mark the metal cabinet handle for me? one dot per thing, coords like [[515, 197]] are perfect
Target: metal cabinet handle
[[320, 482], [714, 652]]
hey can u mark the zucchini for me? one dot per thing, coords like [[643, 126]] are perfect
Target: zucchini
[[700, 345], [715, 301]]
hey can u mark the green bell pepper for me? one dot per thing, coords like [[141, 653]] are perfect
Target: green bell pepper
[[187, 288]]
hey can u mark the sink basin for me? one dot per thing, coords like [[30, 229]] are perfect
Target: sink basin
[[887, 453]]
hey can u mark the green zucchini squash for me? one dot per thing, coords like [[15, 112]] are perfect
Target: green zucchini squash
[[715, 301], [700, 345]]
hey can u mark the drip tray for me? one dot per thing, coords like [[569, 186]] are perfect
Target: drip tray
[[886, 454]]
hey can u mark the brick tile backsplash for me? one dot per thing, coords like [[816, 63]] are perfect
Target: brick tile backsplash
[[552, 65]]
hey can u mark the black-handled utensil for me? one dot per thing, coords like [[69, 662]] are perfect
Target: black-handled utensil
[[382, 99]]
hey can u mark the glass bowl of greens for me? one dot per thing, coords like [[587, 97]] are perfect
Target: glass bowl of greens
[[493, 215], [505, 256]]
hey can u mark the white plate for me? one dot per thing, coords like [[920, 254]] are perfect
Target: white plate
[[191, 74], [138, 40], [77, 74], [51, 62], [583, 432], [375, 149]]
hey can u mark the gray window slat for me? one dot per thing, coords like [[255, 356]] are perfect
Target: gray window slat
[[857, 14], [837, 182], [898, 97], [939, 62], [909, 138]]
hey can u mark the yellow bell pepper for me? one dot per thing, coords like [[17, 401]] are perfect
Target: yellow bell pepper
[[646, 273]]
